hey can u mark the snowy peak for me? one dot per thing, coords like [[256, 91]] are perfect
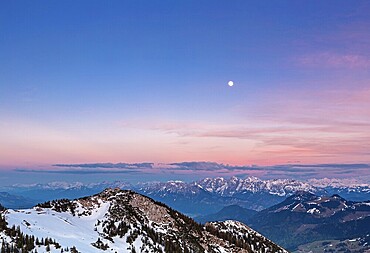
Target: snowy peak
[[333, 206], [117, 220], [171, 187], [302, 196], [218, 185], [234, 185]]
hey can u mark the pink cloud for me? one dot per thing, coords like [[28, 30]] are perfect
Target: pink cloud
[[345, 45], [334, 60], [310, 126]]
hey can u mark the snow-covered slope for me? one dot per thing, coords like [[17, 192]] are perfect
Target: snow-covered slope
[[124, 221], [66, 228], [239, 230]]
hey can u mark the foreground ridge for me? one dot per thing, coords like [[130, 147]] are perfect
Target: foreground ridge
[[124, 221]]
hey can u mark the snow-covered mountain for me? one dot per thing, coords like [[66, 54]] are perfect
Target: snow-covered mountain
[[338, 183], [305, 217], [235, 185], [352, 189], [232, 186], [212, 194], [122, 221], [204, 196], [322, 207]]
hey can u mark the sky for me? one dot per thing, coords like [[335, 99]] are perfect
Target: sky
[[146, 81]]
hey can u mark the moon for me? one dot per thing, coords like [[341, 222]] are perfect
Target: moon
[[230, 83]]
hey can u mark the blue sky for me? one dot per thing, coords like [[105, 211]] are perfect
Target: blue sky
[[137, 81]]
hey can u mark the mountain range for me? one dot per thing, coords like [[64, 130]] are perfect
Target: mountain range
[[296, 213], [304, 217], [118, 220], [15, 201], [201, 197]]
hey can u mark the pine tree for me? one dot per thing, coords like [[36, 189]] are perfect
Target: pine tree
[[74, 250], [3, 247]]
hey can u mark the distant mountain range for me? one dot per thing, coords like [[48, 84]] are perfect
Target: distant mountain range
[[15, 201], [212, 194], [122, 221], [202, 197], [305, 217], [290, 212]]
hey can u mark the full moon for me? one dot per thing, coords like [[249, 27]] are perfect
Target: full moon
[[230, 83]]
